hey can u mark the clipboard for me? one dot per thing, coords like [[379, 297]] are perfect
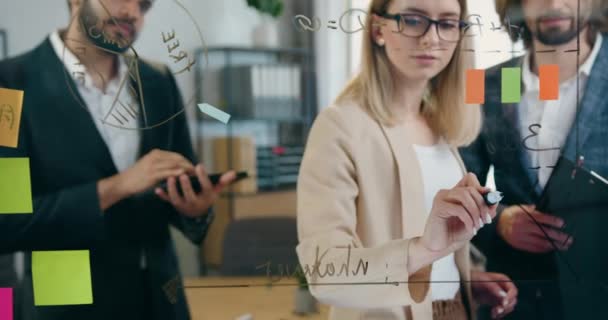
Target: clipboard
[[579, 196], [572, 188]]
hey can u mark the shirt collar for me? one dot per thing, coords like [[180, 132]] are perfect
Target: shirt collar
[[588, 65], [78, 71], [531, 81]]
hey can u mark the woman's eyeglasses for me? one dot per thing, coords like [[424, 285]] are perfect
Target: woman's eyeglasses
[[417, 25]]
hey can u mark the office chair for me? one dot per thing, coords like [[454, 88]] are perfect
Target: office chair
[[251, 246]]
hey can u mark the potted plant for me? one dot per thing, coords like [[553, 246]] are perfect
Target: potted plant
[[274, 8], [305, 302], [266, 34]]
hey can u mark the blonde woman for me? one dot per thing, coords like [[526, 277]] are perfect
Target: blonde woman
[[385, 208]]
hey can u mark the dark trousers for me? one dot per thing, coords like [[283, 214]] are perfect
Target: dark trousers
[[141, 303]]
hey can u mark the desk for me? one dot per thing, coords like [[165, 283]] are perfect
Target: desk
[[262, 302]]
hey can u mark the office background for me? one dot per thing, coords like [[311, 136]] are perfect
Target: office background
[[256, 220]]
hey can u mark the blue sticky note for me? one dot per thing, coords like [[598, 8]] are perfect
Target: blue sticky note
[[214, 112]]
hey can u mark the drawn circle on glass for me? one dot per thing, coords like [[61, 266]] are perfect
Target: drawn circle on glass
[[125, 115]]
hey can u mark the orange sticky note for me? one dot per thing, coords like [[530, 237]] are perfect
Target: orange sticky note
[[476, 86], [11, 102], [549, 82]]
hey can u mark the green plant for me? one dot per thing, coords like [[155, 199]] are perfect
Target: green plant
[[273, 8], [302, 282]]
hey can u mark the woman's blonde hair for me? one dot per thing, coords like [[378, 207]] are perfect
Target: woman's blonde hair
[[443, 105]]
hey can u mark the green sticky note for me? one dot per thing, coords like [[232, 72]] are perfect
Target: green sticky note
[[61, 278], [15, 186], [511, 85]]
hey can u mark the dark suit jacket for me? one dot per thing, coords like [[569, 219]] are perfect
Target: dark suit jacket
[[501, 146], [67, 159], [9, 279]]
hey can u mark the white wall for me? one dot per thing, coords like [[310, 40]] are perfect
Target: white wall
[[332, 51], [27, 22]]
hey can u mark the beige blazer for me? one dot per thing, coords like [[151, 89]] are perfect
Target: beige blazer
[[360, 201]]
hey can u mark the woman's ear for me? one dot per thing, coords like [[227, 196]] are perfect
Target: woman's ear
[[377, 31]]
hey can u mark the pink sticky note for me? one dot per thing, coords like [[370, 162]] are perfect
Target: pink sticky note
[[6, 304]]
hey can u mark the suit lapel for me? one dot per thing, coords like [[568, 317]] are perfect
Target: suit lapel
[[410, 181], [592, 105], [504, 127], [511, 114], [154, 121], [68, 103]]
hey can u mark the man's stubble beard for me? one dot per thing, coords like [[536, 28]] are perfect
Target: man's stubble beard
[[557, 37], [90, 25]]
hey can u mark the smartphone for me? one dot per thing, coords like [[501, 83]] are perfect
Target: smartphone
[[214, 178]]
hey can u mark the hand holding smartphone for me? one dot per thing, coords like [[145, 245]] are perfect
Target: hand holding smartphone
[[214, 178]]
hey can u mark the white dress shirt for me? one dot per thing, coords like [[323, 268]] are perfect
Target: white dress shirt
[[440, 170], [120, 131], [555, 117]]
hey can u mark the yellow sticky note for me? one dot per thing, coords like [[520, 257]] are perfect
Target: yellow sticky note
[[15, 186], [11, 103], [61, 278]]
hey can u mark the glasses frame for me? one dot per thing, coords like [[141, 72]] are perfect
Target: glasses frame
[[462, 25]]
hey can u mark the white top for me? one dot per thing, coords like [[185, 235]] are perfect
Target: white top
[[556, 117], [440, 170], [123, 143]]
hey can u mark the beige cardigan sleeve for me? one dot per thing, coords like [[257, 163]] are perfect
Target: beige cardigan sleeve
[[329, 249]]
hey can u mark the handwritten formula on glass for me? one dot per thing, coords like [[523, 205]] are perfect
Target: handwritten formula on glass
[[181, 55], [475, 22], [124, 109], [320, 270], [474, 28]]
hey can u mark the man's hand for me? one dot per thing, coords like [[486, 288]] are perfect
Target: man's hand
[[495, 290], [154, 167], [192, 204], [517, 228]]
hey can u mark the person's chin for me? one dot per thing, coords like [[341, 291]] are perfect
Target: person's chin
[[421, 75], [557, 38], [555, 33], [424, 72]]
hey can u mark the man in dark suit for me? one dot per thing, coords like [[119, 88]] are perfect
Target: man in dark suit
[[523, 141], [94, 183]]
